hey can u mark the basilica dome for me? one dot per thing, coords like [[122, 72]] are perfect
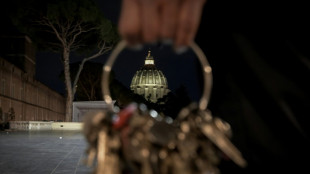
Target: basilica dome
[[149, 81]]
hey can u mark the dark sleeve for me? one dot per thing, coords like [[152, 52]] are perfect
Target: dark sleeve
[[261, 67]]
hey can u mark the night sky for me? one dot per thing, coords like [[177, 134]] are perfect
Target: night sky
[[178, 69], [49, 65], [221, 20]]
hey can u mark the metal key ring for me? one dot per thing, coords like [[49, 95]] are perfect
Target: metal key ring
[[206, 69]]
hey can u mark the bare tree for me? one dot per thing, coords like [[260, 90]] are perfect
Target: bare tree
[[68, 26]]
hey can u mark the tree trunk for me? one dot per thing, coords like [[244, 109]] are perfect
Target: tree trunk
[[78, 76], [69, 98]]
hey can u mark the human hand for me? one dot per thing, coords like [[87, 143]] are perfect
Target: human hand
[[168, 21]]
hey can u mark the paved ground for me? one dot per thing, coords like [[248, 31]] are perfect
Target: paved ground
[[42, 152]]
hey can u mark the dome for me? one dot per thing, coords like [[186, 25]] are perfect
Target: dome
[[149, 81]]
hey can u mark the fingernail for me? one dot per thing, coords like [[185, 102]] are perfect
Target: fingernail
[[181, 49], [136, 47]]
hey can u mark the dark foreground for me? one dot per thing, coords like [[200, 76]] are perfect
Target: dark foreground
[[42, 152]]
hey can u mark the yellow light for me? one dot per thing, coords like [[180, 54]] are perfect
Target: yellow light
[[149, 62]]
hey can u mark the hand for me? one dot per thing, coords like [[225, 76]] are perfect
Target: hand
[[168, 21]]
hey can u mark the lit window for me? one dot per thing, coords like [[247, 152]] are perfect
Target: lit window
[[149, 62]]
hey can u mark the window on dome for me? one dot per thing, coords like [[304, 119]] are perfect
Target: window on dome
[[149, 62]]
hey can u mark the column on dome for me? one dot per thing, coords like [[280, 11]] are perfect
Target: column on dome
[[149, 77], [146, 92], [157, 78], [162, 80], [142, 90], [154, 93], [159, 93], [146, 77], [153, 77], [150, 93], [140, 77], [143, 79], [137, 91]]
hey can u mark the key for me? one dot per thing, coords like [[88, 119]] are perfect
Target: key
[[214, 129], [108, 159], [180, 165], [161, 133], [92, 125], [103, 141], [217, 135]]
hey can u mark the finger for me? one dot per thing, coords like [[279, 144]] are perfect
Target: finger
[[130, 21], [188, 22], [168, 19], [150, 20]]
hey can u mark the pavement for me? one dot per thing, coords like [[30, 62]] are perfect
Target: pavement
[[43, 152]]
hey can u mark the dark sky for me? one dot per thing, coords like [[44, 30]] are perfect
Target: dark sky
[[178, 69], [49, 65], [222, 19]]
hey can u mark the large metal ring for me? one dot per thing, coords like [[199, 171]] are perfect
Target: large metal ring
[[206, 69]]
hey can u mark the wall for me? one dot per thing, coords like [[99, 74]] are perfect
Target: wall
[[39, 125], [22, 98]]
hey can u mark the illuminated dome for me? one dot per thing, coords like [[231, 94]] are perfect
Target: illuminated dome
[[149, 81]]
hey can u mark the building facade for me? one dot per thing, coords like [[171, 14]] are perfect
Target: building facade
[[22, 97], [149, 81]]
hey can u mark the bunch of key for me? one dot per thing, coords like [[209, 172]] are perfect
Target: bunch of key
[[141, 141]]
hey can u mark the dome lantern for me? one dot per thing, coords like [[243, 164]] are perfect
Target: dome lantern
[[149, 59]]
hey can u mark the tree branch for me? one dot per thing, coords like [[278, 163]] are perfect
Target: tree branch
[[102, 50], [85, 90], [46, 22]]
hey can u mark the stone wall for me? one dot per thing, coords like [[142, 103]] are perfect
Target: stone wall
[[22, 98], [43, 125]]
